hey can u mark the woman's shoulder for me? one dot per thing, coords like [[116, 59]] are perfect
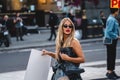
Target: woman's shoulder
[[75, 42]]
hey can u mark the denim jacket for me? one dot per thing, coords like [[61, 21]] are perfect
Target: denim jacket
[[112, 28]]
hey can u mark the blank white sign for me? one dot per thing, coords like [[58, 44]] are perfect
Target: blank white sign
[[38, 66]]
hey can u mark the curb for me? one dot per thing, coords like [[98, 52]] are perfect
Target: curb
[[26, 47], [47, 44], [91, 40]]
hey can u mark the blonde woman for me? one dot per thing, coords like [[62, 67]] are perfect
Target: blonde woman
[[68, 52]]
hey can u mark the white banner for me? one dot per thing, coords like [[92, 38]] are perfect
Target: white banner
[[38, 66]]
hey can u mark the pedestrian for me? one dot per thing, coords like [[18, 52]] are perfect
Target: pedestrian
[[71, 16], [68, 53], [78, 21], [84, 23], [103, 19], [24, 8], [19, 26], [111, 36], [52, 23], [6, 23]]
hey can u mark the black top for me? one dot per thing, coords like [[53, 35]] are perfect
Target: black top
[[70, 52]]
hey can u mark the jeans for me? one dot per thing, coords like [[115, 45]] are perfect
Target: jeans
[[111, 55]]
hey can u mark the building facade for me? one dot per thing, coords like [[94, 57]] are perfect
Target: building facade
[[8, 5]]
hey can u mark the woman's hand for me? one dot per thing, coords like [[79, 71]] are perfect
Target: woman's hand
[[44, 52], [64, 57]]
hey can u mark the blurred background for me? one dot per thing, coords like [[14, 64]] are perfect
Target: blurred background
[[35, 12], [89, 17]]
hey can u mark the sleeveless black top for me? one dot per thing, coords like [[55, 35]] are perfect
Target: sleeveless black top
[[60, 68]]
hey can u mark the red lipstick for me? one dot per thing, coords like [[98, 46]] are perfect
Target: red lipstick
[[67, 30]]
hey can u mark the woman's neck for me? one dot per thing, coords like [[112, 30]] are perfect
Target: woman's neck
[[65, 37]]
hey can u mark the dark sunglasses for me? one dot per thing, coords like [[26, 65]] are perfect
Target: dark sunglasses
[[65, 26]]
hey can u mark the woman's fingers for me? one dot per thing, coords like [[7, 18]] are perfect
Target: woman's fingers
[[44, 52]]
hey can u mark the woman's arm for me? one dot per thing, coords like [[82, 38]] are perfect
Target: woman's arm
[[52, 54], [78, 51]]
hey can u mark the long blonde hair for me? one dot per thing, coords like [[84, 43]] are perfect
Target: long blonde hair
[[59, 40]]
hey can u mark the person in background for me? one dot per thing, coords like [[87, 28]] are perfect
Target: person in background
[[84, 23], [112, 33], [66, 41], [24, 8], [18, 25], [6, 23], [52, 23], [78, 20], [71, 16], [103, 19]]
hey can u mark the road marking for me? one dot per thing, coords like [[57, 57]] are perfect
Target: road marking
[[97, 62], [23, 50], [97, 50]]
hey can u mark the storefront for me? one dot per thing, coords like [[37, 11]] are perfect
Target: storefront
[[35, 12], [31, 5]]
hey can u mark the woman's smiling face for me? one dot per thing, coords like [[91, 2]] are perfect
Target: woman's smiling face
[[67, 27]]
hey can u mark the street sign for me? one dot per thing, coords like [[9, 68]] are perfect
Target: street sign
[[114, 3]]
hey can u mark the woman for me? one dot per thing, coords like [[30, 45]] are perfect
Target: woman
[[111, 36], [18, 25], [66, 41]]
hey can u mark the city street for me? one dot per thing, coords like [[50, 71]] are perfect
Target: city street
[[37, 20], [16, 60]]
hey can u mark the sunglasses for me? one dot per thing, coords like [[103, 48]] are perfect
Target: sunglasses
[[65, 26]]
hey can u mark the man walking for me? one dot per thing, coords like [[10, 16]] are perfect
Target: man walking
[[52, 23]]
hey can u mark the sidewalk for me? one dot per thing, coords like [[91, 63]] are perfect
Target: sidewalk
[[91, 73], [37, 40], [93, 70], [30, 41]]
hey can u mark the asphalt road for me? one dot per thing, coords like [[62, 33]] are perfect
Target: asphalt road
[[17, 59]]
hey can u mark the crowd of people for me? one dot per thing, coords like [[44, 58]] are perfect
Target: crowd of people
[[14, 27], [79, 19]]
